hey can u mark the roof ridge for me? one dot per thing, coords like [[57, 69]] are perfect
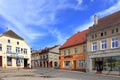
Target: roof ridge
[[12, 34]]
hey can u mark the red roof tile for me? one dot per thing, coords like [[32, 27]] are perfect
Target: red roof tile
[[76, 39]]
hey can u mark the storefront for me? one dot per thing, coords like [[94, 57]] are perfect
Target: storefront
[[106, 63]]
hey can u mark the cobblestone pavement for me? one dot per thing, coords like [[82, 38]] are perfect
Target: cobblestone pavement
[[24, 74], [50, 74]]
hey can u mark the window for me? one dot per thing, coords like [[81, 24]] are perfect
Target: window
[[18, 62], [9, 48], [101, 34], [92, 36], [112, 31], [84, 48], [95, 35], [64, 52], [81, 63], [0, 47], [9, 61], [17, 43], [103, 44], [115, 42], [66, 63], [94, 46], [68, 51], [105, 33], [17, 50], [25, 51], [76, 50], [21, 50], [8, 41], [116, 30]]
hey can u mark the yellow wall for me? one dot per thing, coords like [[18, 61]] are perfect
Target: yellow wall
[[80, 49]]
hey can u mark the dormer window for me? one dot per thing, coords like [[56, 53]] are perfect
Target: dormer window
[[101, 34], [8, 41], [17, 43]]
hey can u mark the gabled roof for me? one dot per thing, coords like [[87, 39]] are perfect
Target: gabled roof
[[107, 21], [76, 39], [12, 34]]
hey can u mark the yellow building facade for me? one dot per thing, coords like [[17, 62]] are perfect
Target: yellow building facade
[[14, 51]]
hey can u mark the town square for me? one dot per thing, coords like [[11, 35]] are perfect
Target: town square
[[60, 40]]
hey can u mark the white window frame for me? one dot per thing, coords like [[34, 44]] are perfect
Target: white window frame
[[25, 51], [17, 50], [117, 40], [103, 42], [9, 48], [93, 46]]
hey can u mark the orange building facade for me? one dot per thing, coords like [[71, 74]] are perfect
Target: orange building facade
[[73, 52]]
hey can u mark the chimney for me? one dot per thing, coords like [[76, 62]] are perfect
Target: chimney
[[95, 20]]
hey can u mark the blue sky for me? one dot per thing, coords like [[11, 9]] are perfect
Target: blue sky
[[44, 23]]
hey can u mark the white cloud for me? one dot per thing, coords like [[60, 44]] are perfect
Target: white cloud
[[80, 2], [110, 10], [103, 13], [21, 16], [84, 26]]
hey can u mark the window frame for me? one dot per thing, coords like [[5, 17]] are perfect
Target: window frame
[[9, 48], [68, 51], [81, 63], [103, 44], [94, 46], [115, 39], [64, 52], [17, 49], [75, 50], [0, 47], [9, 60], [68, 65]]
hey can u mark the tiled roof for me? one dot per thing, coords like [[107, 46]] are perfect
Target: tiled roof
[[44, 50], [76, 39], [12, 34], [107, 21]]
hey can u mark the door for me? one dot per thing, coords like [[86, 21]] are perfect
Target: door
[[99, 66], [74, 64], [0, 61], [25, 63]]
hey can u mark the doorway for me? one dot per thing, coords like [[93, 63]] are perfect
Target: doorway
[[0, 61], [25, 63], [99, 66], [74, 64]]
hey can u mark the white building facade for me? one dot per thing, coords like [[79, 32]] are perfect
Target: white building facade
[[14, 51]]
